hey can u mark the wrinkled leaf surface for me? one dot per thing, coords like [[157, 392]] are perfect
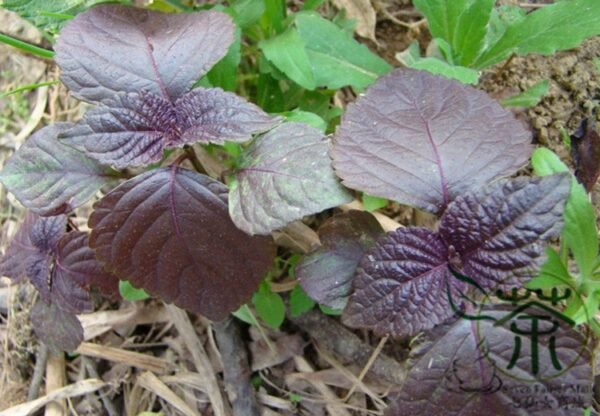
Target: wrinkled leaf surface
[[461, 369], [285, 175], [113, 48], [169, 232], [401, 285], [326, 275], [500, 229], [422, 140], [50, 178]]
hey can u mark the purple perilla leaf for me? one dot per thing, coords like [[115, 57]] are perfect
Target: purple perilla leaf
[[129, 130], [461, 369], [33, 254], [401, 285], [12, 263], [133, 129], [58, 329], [168, 231], [285, 175], [111, 49], [326, 275], [422, 139], [60, 265], [35, 240], [499, 230], [77, 263], [139, 65], [211, 115], [50, 178]]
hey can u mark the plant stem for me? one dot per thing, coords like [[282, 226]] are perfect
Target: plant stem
[[506, 65], [191, 155], [26, 47], [38, 373]]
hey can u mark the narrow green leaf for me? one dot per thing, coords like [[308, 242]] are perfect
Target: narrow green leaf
[[566, 139], [372, 203], [553, 273], [306, 117], [459, 73], [471, 30], [131, 293], [312, 4], [234, 150], [438, 67], [269, 306], [288, 53], [269, 96], [46, 15], [587, 311], [224, 73], [168, 6], [247, 12], [580, 233], [528, 98], [319, 102], [595, 325], [295, 398], [275, 13], [545, 162], [559, 26], [461, 23], [244, 314], [443, 16], [501, 18], [337, 59], [59, 16], [300, 302], [444, 51], [330, 311]]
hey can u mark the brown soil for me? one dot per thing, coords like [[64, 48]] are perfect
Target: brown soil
[[573, 93]]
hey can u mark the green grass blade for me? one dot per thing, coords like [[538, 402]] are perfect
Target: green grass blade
[[28, 87], [26, 47]]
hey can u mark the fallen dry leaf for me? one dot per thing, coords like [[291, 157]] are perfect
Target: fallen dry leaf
[[364, 14], [285, 348]]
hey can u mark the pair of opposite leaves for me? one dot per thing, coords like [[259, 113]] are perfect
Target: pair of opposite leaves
[[170, 230], [161, 230], [434, 144], [64, 269]]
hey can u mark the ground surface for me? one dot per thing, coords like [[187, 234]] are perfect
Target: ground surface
[[312, 360]]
